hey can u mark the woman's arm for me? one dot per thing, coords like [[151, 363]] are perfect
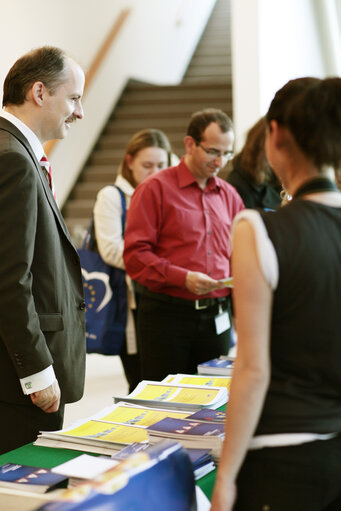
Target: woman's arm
[[252, 305], [108, 226]]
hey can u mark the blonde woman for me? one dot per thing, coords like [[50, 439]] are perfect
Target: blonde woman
[[147, 152]]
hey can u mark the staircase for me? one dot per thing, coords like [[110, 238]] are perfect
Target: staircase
[[207, 83]]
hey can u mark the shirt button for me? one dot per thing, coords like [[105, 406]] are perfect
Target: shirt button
[[82, 306], [209, 252]]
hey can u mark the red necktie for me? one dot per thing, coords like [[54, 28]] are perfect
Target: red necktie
[[46, 167]]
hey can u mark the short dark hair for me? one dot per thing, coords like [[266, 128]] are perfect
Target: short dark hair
[[200, 120], [311, 109], [45, 64]]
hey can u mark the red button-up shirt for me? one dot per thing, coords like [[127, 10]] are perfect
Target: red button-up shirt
[[174, 226]]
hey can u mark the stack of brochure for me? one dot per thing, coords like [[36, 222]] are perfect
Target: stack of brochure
[[29, 479], [201, 458], [164, 474], [208, 415], [176, 396], [190, 433], [126, 422], [222, 366], [109, 430]]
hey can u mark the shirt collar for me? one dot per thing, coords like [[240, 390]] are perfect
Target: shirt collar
[[186, 177], [125, 186], [31, 137]]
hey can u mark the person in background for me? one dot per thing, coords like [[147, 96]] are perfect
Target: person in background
[[177, 245], [251, 173], [282, 448], [147, 152], [42, 309]]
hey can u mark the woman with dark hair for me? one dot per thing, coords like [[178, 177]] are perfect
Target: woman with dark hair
[[282, 449], [147, 152], [251, 173]]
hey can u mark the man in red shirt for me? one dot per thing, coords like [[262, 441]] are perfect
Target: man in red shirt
[[177, 246]]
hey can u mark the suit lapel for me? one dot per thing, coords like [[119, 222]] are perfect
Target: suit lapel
[[8, 126]]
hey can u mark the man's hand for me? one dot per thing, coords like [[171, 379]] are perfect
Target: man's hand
[[201, 284], [47, 399]]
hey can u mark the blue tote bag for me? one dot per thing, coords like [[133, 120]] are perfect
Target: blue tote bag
[[105, 295]]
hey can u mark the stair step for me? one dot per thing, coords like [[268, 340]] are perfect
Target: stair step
[[193, 80], [210, 71], [79, 208], [107, 157], [133, 125], [157, 96], [108, 142], [88, 190], [141, 86], [211, 60], [99, 173], [162, 110]]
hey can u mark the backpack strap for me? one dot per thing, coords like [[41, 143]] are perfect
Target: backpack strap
[[124, 209]]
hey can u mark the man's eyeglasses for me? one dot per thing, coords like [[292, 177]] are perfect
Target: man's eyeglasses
[[215, 153]]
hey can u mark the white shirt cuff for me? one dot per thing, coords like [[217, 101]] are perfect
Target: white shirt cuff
[[38, 381]]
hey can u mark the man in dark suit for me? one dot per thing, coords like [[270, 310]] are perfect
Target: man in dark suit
[[42, 311]]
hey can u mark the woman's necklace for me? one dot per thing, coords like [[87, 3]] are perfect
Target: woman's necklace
[[316, 185]]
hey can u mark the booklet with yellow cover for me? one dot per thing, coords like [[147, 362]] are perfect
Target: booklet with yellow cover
[[133, 414], [181, 397], [112, 436], [194, 379], [108, 430]]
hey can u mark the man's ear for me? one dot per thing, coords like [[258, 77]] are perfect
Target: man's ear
[[37, 93], [190, 144]]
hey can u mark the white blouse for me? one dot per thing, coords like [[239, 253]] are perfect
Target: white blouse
[[108, 221], [110, 243]]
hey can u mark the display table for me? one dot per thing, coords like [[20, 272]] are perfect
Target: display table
[[47, 457]]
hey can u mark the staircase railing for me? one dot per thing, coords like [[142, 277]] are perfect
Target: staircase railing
[[97, 61]]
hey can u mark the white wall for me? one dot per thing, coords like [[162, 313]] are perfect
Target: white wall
[[67, 24], [274, 41], [155, 45]]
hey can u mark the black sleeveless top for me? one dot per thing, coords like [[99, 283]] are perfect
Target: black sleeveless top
[[305, 388]]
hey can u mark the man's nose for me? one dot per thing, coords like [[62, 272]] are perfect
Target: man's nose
[[218, 160], [78, 112]]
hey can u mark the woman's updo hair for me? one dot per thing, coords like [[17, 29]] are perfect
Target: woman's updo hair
[[311, 109], [141, 140]]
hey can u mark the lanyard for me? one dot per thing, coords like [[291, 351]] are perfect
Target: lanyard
[[316, 185]]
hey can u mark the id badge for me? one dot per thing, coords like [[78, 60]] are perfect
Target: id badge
[[222, 321]]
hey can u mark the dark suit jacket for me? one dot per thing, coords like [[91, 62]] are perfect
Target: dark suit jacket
[[42, 311]]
